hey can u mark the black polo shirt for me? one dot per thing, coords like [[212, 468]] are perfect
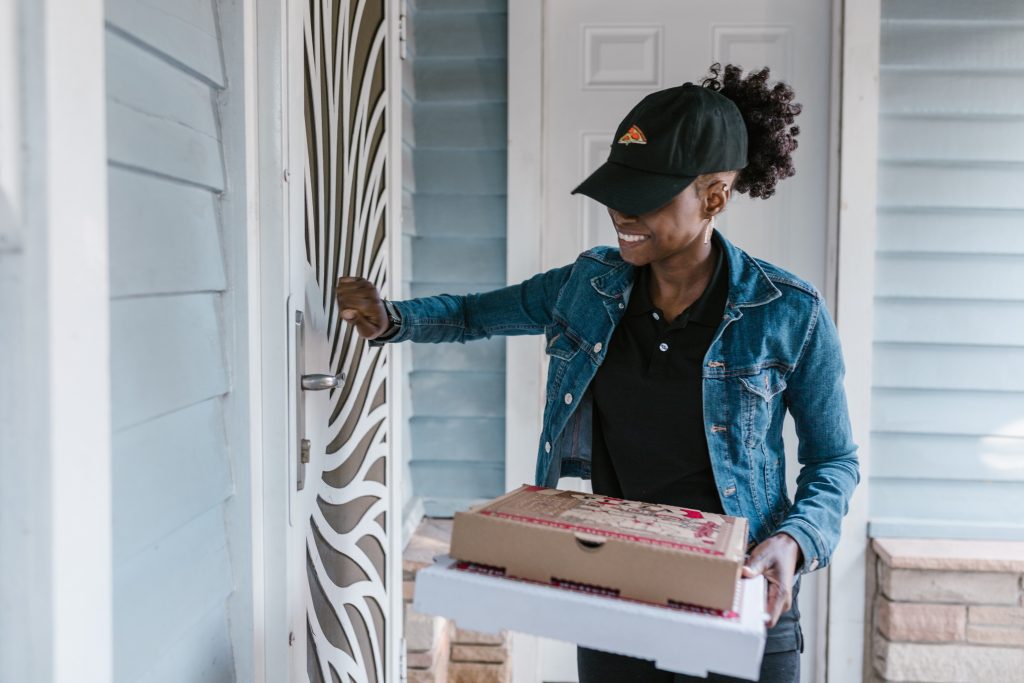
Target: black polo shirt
[[648, 440]]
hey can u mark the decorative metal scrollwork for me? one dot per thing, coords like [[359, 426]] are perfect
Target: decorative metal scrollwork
[[346, 204]]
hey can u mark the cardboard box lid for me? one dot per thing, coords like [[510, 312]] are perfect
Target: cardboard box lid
[[659, 553], [677, 640]]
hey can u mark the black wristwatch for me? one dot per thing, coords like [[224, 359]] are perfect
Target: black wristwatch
[[395, 320]]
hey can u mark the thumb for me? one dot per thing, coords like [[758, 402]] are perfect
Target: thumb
[[756, 564]]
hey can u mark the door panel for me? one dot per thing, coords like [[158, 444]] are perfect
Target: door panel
[[341, 552]]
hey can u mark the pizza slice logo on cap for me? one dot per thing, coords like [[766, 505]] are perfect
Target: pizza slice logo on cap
[[633, 136]]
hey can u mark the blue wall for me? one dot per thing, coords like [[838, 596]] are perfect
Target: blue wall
[[455, 184], [169, 374], [948, 399]]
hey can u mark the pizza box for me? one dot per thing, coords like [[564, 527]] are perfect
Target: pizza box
[[685, 640], [660, 554]]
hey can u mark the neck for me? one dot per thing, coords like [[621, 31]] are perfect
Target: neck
[[674, 279]]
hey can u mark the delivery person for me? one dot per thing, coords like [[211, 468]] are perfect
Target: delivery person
[[674, 357]]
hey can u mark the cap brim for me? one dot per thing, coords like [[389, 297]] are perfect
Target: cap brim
[[630, 190]]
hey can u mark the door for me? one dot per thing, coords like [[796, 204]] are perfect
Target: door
[[343, 544], [598, 61]]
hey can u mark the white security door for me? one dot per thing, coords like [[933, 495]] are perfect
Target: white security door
[[344, 544], [600, 57]]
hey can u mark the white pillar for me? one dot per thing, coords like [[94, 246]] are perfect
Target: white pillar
[[55, 497]]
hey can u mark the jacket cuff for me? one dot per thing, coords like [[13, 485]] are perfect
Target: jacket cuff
[[400, 332], [808, 539]]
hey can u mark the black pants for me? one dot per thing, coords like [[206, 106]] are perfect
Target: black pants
[[604, 667], [780, 664]]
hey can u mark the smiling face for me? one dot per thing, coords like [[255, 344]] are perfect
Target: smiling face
[[675, 230]]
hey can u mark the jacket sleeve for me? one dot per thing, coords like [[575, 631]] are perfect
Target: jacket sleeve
[[829, 469], [525, 308]]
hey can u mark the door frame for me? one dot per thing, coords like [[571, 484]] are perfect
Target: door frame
[[267, 177], [849, 268]]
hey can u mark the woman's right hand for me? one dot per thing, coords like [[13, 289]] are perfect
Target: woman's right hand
[[360, 304]]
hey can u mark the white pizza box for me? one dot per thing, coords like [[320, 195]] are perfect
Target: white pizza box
[[677, 639]]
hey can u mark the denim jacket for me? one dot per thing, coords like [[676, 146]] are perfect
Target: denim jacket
[[776, 349]]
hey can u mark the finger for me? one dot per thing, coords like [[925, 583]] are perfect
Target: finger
[[776, 602], [366, 327], [367, 302]]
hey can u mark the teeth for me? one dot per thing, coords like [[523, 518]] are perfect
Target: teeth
[[631, 238]]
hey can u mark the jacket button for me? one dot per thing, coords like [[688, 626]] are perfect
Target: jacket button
[[547, 446], [813, 565], [568, 399], [597, 347], [729, 491], [622, 305]]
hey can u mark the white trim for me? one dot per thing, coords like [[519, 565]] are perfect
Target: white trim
[[818, 658], [524, 355], [240, 236], [55, 440], [265, 68], [855, 319], [394, 630]]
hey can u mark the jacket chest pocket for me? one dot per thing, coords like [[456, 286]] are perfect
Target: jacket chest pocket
[[561, 346], [561, 349], [760, 394]]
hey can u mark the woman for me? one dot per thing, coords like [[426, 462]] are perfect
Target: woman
[[674, 358]]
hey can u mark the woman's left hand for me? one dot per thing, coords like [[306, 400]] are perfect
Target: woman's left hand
[[777, 558]]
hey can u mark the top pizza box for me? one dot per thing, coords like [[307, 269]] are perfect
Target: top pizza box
[[662, 554]]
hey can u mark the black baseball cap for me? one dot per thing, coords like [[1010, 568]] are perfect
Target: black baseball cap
[[668, 139]]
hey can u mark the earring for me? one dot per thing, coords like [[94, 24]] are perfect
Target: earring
[[707, 231]]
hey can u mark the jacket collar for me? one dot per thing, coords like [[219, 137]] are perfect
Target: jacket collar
[[749, 285]]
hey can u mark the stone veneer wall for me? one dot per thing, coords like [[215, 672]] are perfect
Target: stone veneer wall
[[436, 650], [946, 611]]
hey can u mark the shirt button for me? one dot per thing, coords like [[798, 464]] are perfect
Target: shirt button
[[568, 399], [547, 446], [597, 347], [663, 346], [656, 316]]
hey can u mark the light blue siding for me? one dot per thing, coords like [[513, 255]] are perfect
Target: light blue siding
[[455, 227], [948, 398], [169, 371]]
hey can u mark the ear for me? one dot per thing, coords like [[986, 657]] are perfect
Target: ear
[[715, 196]]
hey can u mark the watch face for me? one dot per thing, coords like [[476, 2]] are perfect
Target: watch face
[[392, 312]]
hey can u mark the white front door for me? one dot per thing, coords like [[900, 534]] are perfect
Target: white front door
[[600, 57], [344, 540]]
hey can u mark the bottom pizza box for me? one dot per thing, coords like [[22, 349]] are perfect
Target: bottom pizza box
[[681, 639]]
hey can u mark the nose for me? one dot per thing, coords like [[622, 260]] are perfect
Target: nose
[[620, 217]]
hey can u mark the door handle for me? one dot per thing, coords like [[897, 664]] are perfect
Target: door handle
[[318, 382]]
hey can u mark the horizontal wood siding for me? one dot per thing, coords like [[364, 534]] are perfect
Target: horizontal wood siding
[[456, 236], [169, 373], [948, 399]]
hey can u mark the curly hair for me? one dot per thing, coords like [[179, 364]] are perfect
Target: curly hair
[[768, 113]]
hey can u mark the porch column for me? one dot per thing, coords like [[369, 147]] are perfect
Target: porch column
[[55, 509]]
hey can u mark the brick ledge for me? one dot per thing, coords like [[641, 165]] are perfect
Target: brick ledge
[[953, 555]]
